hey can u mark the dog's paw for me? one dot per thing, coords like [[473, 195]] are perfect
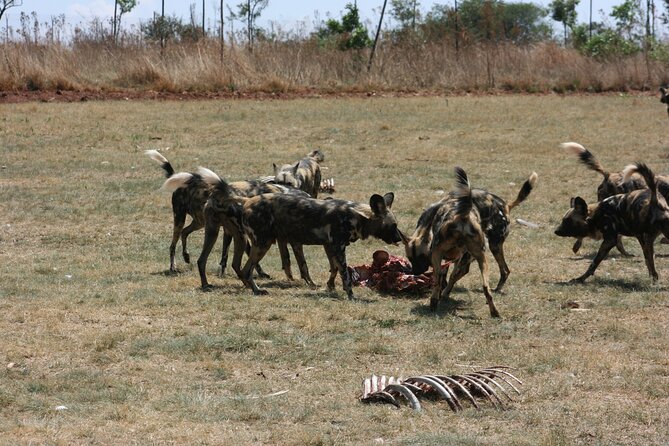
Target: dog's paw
[[260, 292], [207, 288]]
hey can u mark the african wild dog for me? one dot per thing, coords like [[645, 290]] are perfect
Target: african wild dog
[[190, 193], [495, 221], [456, 233], [613, 183], [641, 213], [332, 223], [304, 175], [224, 208], [664, 98]]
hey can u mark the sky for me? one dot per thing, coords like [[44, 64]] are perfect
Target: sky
[[285, 13]]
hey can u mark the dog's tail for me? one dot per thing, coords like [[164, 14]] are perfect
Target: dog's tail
[[647, 174], [213, 180], [463, 192], [525, 190], [585, 156], [177, 181], [317, 155], [160, 159]]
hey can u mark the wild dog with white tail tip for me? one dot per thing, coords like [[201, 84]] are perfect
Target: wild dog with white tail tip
[[641, 213], [495, 221], [456, 233], [334, 224]]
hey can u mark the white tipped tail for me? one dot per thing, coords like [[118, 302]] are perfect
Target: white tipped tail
[[176, 181], [629, 171], [209, 176], [156, 156], [573, 147]]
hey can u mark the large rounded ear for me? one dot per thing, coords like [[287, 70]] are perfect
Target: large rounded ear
[[580, 206], [378, 204], [276, 169], [388, 199], [571, 202], [297, 164]]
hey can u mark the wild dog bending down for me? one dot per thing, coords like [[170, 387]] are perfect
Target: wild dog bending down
[[495, 221], [224, 208], [641, 213], [304, 175], [613, 183], [456, 233], [334, 224]]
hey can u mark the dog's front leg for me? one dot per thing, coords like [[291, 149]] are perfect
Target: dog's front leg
[[333, 268], [339, 259], [438, 281], [604, 249]]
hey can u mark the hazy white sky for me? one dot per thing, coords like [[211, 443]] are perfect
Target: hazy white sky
[[285, 13]]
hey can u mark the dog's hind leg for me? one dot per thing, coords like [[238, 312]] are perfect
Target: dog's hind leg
[[285, 259], [483, 266], [179, 221], [227, 239], [497, 251], [197, 223], [606, 246], [459, 271], [302, 263], [210, 235], [646, 242], [255, 256]]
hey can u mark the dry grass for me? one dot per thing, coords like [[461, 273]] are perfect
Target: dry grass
[[91, 322], [295, 66]]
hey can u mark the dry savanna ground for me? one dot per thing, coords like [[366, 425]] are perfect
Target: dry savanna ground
[[90, 320]]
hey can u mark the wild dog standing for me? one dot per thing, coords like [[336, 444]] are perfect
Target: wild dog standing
[[334, 224], [224, 209], [457, 233], [304, 175], [613, 183], [495, 221], [664, 98], [641, 213], [186, 200]]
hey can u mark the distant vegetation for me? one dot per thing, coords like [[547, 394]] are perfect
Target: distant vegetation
[[480, 46]]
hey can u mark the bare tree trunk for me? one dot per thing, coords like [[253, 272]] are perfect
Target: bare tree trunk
[[222, 35], [162, 27], [203, 29], [114, 24], [376, 38]]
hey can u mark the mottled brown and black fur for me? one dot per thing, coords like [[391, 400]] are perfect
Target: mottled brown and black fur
[[641, 213], [495, 220], [186, 200], [304, 175], [224, 209], [457, 232], [613, 183], [334, 224]]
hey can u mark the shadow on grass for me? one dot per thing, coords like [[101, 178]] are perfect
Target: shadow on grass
[[169, 273], [446, 307], [612, 283]]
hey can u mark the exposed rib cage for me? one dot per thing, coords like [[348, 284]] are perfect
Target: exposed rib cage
[[485, 384]]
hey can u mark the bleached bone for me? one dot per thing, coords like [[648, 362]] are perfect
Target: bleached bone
[[406, 393], [438, 387], [489, 379]]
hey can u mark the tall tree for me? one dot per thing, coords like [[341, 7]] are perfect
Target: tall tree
[[251, 10], [564, 11], [121, 7], [6, 4], [406, 12]]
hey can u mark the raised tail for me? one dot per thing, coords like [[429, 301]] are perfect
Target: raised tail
[[647, 174], [463, 192], [160, 159], [585, 156], [213, 180], [317, 155], [525, 190], [177, 181]]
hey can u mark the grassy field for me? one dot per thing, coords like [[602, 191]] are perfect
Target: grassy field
[[90, 321]]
